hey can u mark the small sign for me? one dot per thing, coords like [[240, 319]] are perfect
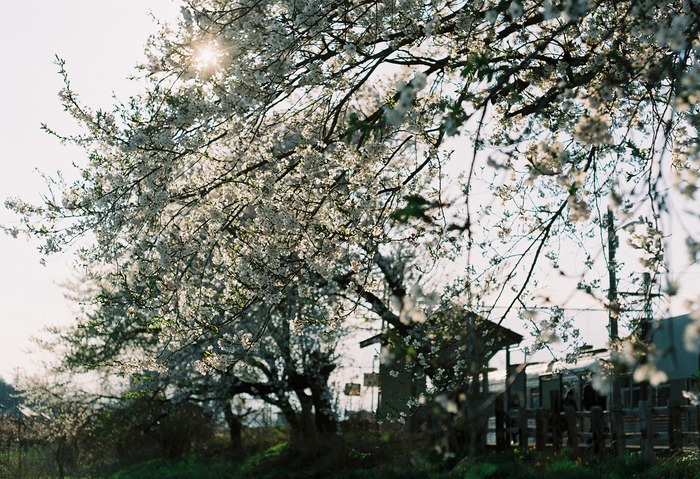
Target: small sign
[[352, 389], [371, 380]]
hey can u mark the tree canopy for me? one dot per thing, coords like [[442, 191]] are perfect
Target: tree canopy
[[297, 146]]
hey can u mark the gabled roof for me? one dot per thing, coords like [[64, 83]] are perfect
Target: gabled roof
[[467, 333], [376, 339], [502, 336], [492, 336]]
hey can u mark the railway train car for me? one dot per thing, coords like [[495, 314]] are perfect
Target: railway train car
[[535, 385]]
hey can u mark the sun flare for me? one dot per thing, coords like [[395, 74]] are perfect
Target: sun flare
[[206, 57]]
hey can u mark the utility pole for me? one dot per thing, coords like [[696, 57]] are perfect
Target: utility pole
[[643, 327], [613, 301], [645, 324], [613, 316], [645, 330]]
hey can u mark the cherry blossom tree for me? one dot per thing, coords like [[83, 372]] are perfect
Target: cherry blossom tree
[[288, 145], [284, 355]]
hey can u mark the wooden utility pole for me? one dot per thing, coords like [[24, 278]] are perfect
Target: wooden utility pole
[[645, 326], [618, 433], [613, 301], [645, 332]]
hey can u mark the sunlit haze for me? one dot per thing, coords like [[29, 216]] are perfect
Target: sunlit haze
[[100, 42], [207, 57]]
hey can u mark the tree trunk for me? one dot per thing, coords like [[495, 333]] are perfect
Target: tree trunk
[[301, 422], [326, 422], [474, 413], [235, 429]]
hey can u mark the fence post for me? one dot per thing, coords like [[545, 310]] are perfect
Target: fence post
[[690, 427], [555, 402], [646, 444], [697, 425], [618, 429], [571, 428], [555, 427], [597, 429], [522, 427], [500, 424], [675, 432], [540, 429]]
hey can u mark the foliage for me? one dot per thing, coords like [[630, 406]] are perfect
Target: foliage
[[9, 399], [367, 456], [544, 466], [62, 419], [148, 427], [192, 468], [288, 367], [67, 430]]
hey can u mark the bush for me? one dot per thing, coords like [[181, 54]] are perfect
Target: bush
[[191, 468], [370, 458]]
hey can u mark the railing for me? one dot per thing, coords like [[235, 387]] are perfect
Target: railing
[[645, 429]]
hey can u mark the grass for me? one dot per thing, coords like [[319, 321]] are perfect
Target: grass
[[284, 462], [359, 456], [190, 468]]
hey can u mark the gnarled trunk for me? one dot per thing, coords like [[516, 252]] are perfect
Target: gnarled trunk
[[235, 429]]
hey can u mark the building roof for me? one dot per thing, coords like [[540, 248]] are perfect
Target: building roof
[[492, 336], [376, 339]]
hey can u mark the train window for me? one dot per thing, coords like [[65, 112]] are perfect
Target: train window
[[661, 395], [534, 398], [630, 391]]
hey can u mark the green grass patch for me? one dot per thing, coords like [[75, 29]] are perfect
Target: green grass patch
[[190, 468], [370, 461]]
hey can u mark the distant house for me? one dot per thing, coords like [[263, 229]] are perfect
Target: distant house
[[402, 378], [398, 382], [9, 399]]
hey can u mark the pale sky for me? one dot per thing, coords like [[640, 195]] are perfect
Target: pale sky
[[101, 41]]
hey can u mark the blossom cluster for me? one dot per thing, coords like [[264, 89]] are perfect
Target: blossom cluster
[[277, 141]]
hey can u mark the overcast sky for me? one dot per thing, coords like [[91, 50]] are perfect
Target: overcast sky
[[101, 41]]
